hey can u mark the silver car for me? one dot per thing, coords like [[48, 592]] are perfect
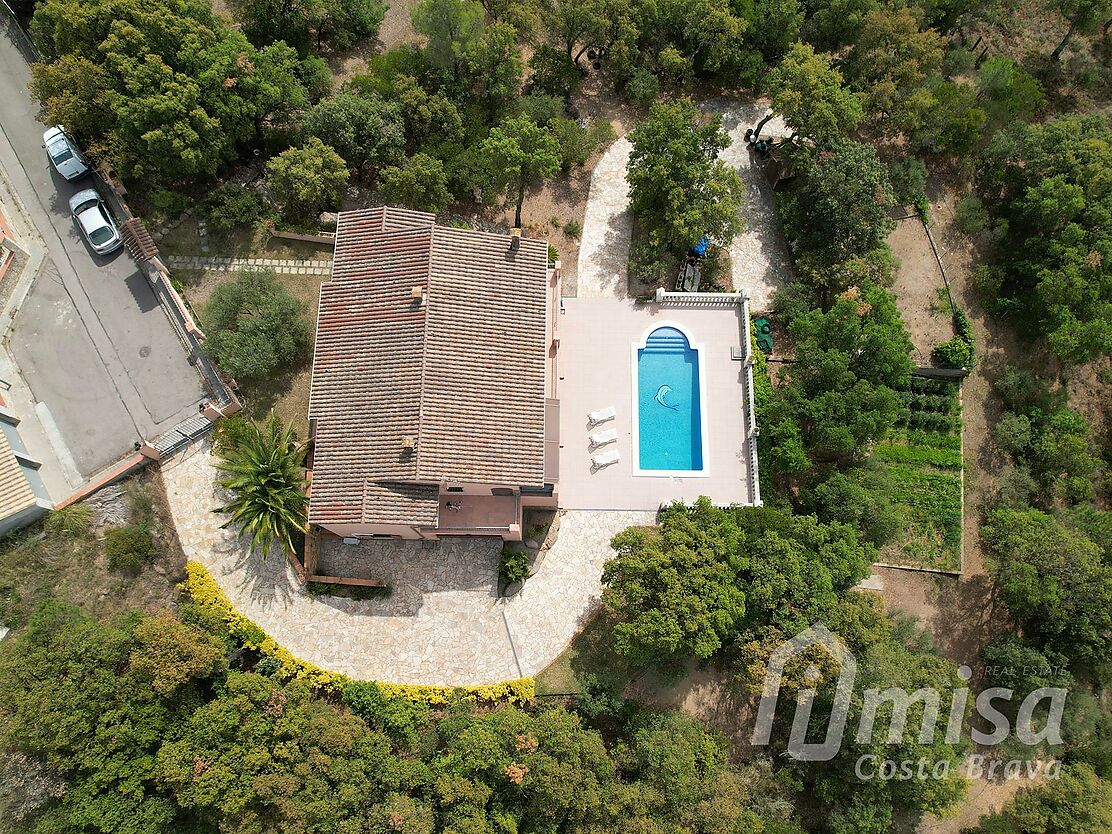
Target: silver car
[[95, 222], [64, 153]]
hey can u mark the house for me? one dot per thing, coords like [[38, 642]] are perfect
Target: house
[[23, 496], [433, 409]]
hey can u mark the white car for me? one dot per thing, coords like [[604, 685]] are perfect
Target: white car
[[64, 153], [96, 223]]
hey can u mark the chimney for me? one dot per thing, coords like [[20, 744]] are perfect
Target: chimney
[[409, 442], [417, 294], [515, 239]]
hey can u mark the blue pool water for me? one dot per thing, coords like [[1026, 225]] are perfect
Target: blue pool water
[[669, 419]]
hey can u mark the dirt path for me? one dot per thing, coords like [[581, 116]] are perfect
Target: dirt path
[[963, 614]]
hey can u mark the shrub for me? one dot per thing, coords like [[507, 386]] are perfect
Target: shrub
[[231, 431], [255, 327], [337, 589], [1012, 433], [554, 72], [268, 666], [643, 88], [307, 180], [959, 352], [955, 353], [573, 229], [970, 216], [650, 264], [514, 565], [232, 205], [73, 521], [129, 547]]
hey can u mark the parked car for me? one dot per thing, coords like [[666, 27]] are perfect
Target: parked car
[[64, 154], [96, 223]]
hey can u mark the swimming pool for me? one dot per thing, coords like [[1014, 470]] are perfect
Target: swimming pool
[[668, 404]]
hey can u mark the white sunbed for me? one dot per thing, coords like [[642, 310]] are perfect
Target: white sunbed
[[602, 415], [606, 458], [601, 438]]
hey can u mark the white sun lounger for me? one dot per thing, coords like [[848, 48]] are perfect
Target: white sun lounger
[[602, 415], [606, 458], [601, 438]]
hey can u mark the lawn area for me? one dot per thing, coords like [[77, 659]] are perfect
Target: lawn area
[[919, 469], [591, 653]]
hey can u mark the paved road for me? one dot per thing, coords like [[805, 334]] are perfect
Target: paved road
[[91, 340]]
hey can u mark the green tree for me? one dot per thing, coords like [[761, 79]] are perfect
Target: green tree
[[1078, 802], [307, 179], [73, 91], [428, 116], [419, 183], [776, 27], [889, 64], [186, 92], [255, 327], [1048, 182], [1007, 92], [1054, 580], [451, 27], [679, 190], [266, 476], [1083, 15], [807, 91], [710, 575], [520, 154], [843, 208], [365, 130], [840, 397]]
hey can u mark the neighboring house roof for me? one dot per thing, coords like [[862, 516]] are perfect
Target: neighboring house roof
[[16, 494], [462, 372]]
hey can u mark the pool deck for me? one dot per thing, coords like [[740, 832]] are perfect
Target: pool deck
[[595, 371]]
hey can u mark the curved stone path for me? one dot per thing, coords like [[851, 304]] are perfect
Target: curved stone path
[[445, 624], [759, 255]]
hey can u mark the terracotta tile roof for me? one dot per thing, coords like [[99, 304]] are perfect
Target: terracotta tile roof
[[462, 374], [397, 503]]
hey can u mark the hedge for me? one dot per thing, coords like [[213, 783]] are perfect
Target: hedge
[[204, 591]]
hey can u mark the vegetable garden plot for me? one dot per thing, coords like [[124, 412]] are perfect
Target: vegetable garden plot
[[919, 469]]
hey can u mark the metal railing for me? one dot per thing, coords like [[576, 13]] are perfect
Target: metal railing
[[741, 300]]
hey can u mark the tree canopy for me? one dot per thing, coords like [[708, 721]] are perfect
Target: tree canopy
[[1051, 183], [255, 327], [679, 190], [710, 575]]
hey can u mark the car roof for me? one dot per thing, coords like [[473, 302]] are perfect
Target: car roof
[[92, 219]]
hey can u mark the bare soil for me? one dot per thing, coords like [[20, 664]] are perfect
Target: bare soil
[[920, 289]]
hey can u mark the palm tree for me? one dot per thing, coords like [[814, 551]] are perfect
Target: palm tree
[[265, 472]]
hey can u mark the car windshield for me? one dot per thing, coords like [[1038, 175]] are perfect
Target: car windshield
[[101, 235], [60, 151]]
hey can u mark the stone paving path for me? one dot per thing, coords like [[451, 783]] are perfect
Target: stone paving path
[[607, 226], [759, 254], [444, 625], [206, 263]]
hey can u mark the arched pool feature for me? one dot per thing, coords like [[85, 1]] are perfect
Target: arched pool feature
[[668, 404]]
